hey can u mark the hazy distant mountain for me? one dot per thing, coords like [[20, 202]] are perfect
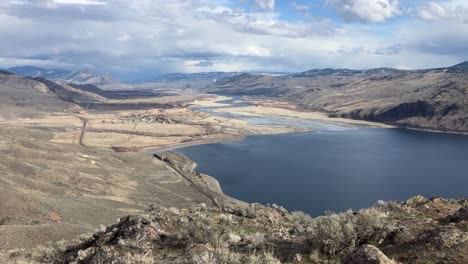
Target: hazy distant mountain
[[344, 72], [203, 76], [78, 77], [430, 98]]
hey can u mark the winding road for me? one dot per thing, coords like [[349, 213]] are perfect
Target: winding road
[[83, 128]]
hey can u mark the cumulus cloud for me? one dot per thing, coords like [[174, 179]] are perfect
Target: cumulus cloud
[[148, 37], [265, 4], [365, 10]]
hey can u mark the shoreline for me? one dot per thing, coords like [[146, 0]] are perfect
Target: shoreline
[[227, 138], [315, 116], [319, 116], [429, 130]]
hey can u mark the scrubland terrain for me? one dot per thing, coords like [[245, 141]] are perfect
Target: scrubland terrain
[[416, 231]]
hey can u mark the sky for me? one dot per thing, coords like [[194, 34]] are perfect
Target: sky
[[145, 38]]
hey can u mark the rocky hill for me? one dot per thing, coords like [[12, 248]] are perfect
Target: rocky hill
[[26, 97], [430, 99], [88, 77], [23, 97], [416, 231]]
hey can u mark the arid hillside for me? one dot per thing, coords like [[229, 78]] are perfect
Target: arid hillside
[[431, 99], [23, 98], [52, 191]]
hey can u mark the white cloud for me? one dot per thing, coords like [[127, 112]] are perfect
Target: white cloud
[[431, 11], [365, 10], [153, 36]]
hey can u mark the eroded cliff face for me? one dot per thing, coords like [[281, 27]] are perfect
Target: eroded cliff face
[[416, 231]]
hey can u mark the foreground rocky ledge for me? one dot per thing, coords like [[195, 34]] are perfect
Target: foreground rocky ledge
[[416, 231]]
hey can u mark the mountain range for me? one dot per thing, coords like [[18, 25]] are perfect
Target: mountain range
[[433, 99], [76, 77]]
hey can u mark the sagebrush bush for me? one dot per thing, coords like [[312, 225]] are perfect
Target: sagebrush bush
[[300, 218], [333, 233], [340, 233], [371, 225]]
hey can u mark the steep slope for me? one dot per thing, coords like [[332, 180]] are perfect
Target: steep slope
[[432, 99], [68, 93]]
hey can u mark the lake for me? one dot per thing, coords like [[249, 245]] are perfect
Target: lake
[[337, 169]]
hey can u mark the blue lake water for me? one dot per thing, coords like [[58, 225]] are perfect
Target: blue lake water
[[337, 167]]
